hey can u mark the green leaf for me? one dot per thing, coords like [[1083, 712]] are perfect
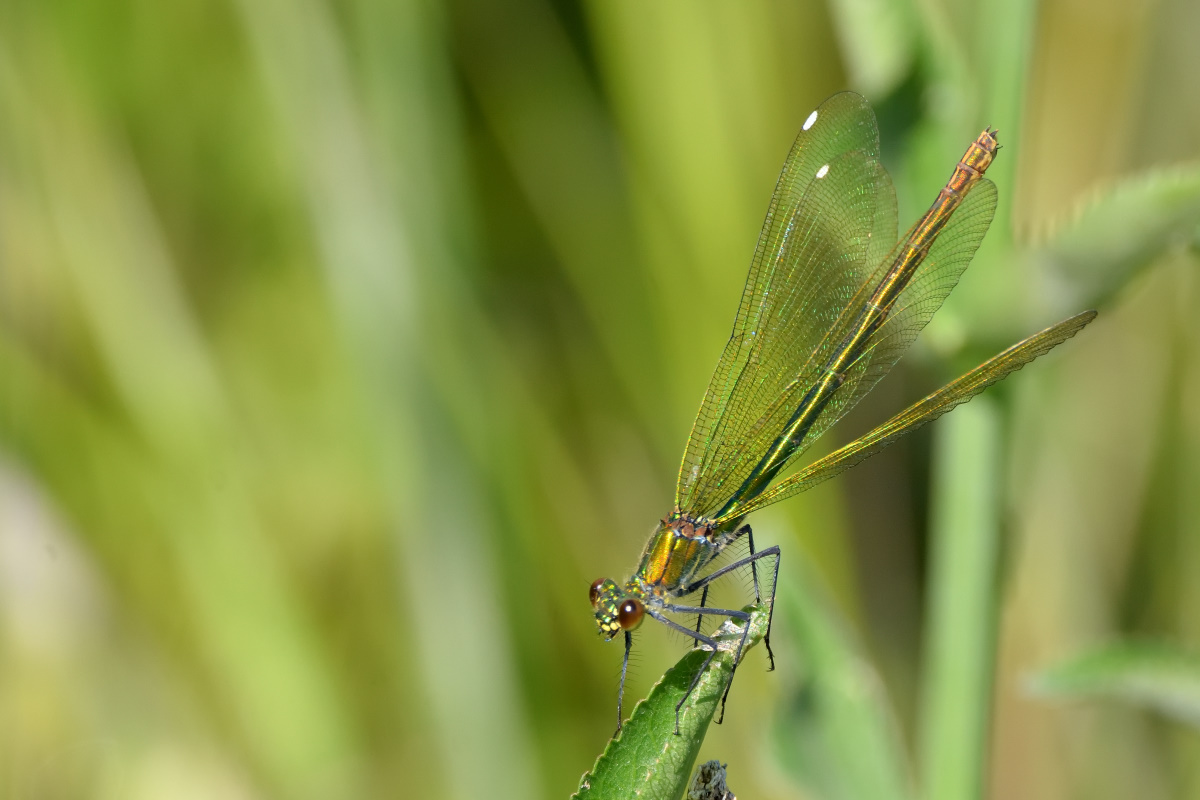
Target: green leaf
[[646, 759], [836, 733], [1120, 231], [1158, 676]]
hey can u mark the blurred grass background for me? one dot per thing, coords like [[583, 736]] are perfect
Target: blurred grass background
[[342, 345]]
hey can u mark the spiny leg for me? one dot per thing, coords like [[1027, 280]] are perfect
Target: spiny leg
[[753, 559], [708, 642], [749, 534], [724, 612], [700, 617], [737, 658], [772, 551], [758, 598], [624, 668]]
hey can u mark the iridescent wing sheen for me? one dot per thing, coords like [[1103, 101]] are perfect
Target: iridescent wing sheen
[[831, 218], [959, 391], [931, 283], [723, 492]]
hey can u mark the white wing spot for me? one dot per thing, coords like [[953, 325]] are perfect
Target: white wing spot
[[808, 123], [823, 171]]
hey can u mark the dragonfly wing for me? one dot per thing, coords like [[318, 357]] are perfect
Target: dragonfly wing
[[935, 405], [832, 206], [821, 269], [929, 286]]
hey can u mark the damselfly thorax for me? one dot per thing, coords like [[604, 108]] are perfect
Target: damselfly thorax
[[674, 560]]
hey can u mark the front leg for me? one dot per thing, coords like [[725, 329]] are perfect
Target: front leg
[[737, 657], [708, 642], [624, 669]]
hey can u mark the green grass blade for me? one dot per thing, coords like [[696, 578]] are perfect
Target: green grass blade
[[1158, 676], [646, 759], [837, 734], [958, 661]]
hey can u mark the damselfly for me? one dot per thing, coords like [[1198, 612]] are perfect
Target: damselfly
[[832, 301]]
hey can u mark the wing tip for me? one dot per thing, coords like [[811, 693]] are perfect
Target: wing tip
[[1078, 322]]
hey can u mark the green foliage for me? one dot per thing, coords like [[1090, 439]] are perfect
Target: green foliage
[[1123, 229], [960, 642], [647, 758], [1158, 676], [342, 345], [836, 731]]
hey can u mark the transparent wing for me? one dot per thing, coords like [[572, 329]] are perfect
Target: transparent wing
[[725, 490], [817, 246], [931, 284], [959, 391]]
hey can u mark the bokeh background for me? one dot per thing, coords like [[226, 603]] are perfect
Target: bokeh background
[[343, 344]]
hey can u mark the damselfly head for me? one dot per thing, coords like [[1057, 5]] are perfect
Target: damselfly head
[[616, 611]]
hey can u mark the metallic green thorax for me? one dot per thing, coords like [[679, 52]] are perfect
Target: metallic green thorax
[[677, 553]]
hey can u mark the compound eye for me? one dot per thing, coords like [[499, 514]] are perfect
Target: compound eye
[[594, 592], [629, 615]]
